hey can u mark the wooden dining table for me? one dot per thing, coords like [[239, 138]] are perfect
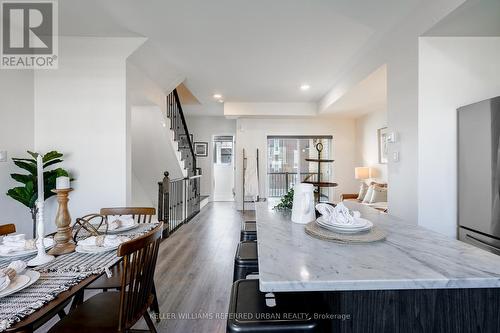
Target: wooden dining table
[[56, 306]]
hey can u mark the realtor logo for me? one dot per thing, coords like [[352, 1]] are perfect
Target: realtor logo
[[29, 35]]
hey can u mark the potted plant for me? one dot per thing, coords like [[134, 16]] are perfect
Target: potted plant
[[27, 194], [286, 201]]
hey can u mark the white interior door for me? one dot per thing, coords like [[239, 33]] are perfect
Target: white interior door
[[223, 159]]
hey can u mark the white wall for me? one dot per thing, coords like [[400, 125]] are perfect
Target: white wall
[[367, 142], [402, 114], [153, 150], [203, 129], [398, 49], [141, 197], [252, 134], [16, 136], [80, 110], [453, 72], [152, 154]]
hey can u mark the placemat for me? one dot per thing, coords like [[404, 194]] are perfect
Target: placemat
[[374, 235]]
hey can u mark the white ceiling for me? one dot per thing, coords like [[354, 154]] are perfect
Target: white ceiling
[[247, 50], [473, 18], [367, 96]]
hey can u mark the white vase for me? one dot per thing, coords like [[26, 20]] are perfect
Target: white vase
[[303, 204]]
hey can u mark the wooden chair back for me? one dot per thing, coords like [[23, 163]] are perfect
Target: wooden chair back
[[140, 214], [139, 262], [6, 229]]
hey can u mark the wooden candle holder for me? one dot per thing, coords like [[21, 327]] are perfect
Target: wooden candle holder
[[63, 236]]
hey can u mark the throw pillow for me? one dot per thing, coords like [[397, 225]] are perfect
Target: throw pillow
[[362, 191], [379, 194], [369, 194]]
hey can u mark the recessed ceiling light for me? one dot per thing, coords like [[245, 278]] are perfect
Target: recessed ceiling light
[[305, 87], [220, 101], [217, 96]]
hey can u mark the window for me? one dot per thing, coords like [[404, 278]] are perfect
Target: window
[[287, 163], [223, 150]]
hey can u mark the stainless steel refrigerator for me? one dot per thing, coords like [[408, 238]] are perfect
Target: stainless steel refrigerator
[[479, 174]]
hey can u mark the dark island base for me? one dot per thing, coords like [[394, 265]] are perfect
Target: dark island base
[[422, 310]]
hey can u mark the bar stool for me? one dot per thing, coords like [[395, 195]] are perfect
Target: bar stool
[[245, 260], [252, 311], [248, 231], [247, 222]]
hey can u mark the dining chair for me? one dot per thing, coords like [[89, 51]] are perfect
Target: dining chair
[[118, 311], [6, 229], [140, 215]]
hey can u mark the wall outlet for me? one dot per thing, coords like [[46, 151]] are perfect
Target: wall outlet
[[395, 156], [3, 156]]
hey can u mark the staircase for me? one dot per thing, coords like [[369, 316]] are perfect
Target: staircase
[[185, 145], [179, 199]]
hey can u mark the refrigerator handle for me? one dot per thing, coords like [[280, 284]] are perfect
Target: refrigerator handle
[[474, 239]]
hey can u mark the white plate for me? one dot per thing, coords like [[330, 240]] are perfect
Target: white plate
[[359, 223], [117, 231], [345, 229], [94, 248], [127, 228], [48, 242], [21, 282]]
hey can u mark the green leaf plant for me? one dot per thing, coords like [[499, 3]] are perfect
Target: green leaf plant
[[27, 194], [286, 202]]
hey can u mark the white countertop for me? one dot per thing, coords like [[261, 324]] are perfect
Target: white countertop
[[410, 258]]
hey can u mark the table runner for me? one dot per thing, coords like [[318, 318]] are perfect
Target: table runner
[[56, 277]]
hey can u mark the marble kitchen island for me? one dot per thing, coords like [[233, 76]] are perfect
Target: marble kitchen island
[[416, 280]]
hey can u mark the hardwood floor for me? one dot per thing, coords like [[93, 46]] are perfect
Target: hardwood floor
[[195, 272]]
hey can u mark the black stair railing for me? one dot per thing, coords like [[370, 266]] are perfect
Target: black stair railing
[[182, 136], [179, 199]]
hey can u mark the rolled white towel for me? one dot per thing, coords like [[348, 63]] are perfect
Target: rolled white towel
[[103, 241], [339, 214], [9, 274], [18, 265], [14, 238], [17, 243], [5, 249], [325, 209], [117, 222]]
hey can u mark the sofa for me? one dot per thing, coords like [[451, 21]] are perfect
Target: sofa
[[380, 204]]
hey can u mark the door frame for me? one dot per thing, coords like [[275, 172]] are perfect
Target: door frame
[[212, 162]]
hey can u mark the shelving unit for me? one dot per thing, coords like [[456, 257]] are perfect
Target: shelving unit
[[318, 183]]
